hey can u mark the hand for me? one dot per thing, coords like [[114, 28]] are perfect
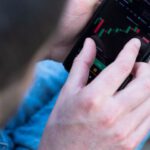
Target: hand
[[74, 18], [97, 116]]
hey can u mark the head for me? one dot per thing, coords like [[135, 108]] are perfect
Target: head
[[24, 27]]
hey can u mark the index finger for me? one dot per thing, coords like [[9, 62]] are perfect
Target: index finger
[[111, 78]]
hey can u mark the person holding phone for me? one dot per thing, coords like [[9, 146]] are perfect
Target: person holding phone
[[93, 116], [78, 119]]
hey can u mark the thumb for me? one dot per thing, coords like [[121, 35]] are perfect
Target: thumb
[[80, 70]]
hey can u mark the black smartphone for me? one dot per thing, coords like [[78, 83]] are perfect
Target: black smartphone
[[114, 23]]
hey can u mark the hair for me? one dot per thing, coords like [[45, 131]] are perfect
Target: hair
[[24, 26]]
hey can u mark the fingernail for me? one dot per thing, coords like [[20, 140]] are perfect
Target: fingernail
[[86, 40], [137, 42]]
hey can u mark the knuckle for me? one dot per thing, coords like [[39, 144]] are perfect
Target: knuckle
[[146, 83], [124, 67], [89, 104], [77, 59], [110, 113], [80, 61], [111, 80], [107, 120], [119, 135]]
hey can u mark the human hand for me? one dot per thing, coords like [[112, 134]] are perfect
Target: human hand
[[74, 18], [97, 116]]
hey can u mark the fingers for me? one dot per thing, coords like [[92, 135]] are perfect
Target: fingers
[[137, 90], [125, 101], [141, 69], [134, 139], [80, 70], [128, 124], [134, 94], [114, 75], [129, 130]]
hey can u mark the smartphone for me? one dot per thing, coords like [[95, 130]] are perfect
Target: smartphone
[[114, 23]]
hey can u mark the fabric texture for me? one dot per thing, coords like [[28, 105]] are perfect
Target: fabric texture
[[26, 128]]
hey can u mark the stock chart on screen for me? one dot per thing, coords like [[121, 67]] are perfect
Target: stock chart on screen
[[113, 25], [118, 22]]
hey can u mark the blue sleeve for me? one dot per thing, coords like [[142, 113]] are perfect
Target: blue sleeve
[[27, 126], [49, 78], [5, 141]]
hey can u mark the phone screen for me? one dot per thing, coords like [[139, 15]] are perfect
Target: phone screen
[[113, 25]]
